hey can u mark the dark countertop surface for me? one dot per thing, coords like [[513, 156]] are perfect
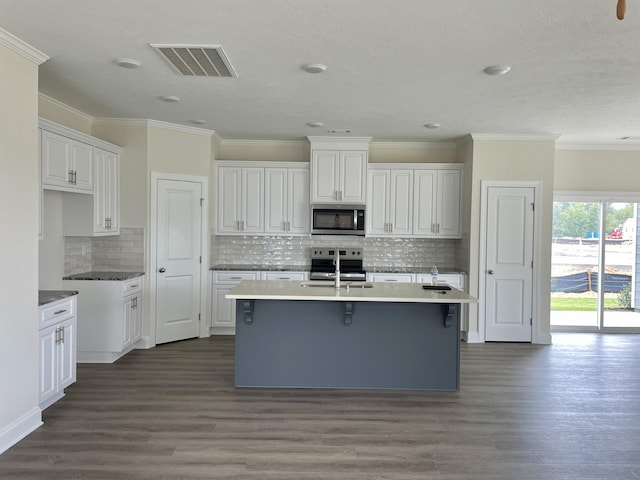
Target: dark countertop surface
[[261, 268], [48, 296], [112, 276]]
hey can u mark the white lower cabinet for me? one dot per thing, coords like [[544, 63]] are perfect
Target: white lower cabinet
[[223, 310], [57, 338], [110, 316], [391, 277]]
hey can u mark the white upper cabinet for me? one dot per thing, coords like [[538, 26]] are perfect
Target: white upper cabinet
[[87, 169], [339, 170], [67, 164], [390, 203], [414, 200], [286, 201], [262, 198], [240, 200], [437, 203]]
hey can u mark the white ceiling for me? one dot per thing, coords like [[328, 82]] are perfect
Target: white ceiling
[[393, 65]]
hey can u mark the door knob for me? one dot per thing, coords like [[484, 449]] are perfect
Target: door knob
[[162, 270], [490, 272]]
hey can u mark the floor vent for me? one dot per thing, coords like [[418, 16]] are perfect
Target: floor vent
[[197, 61]]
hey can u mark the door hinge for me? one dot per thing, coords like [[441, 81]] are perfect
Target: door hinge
[[199, 317], [533, 207], [531, 321], [200, 258], [201, 201], [531, 263]]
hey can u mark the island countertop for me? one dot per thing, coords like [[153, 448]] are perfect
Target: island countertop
[[379, 292]]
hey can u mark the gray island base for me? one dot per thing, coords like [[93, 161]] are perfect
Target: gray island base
[[339, 339]]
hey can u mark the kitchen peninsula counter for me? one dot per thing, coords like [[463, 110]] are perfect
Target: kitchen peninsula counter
[[292, 334]]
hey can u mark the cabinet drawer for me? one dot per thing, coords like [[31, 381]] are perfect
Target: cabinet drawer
[[55, 312], [234, 277], [392, 277], [452, 279], [129, 287], [285, 276]]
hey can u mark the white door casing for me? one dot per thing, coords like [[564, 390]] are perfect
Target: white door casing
[[507, 270], [178, 230]]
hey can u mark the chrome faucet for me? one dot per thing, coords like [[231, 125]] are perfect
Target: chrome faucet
[[337, 264]]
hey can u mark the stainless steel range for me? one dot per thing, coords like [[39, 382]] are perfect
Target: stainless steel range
[[323, 265]]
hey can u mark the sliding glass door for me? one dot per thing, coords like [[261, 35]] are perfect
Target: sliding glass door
[[594, 261]]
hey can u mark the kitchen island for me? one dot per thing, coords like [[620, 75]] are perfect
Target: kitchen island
[[293, 334]]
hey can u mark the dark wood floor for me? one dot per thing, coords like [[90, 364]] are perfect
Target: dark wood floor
[[567, 411]]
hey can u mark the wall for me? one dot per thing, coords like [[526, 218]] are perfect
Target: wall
[[19, 184], [412, 152], [515, 160], [582, 170]]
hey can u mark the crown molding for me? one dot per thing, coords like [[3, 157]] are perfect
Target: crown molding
[[23, 48], [262, 143], [63, 106], [415, 145], [597, 146], [143, 122], [519, 137]]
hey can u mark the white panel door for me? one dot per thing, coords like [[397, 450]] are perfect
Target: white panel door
[[423, 203], [275, 200], [353, 177], [401, 202], [324, 175], [509, 264], [82, 164], [229, 199], [67, 354], [252, 200], [298, 208], [378, 203], [448, 203], [178, 236]]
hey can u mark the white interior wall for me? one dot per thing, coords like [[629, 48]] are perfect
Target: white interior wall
[[19, 197]]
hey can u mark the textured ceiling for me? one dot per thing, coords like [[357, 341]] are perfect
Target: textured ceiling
[[393, 65]]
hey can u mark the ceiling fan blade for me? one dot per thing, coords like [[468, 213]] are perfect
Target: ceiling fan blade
[[621, 9]]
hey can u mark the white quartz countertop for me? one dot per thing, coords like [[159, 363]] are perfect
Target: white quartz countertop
[[325, 291]]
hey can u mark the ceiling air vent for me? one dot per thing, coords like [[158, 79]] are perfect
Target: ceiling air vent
[[197, 61]]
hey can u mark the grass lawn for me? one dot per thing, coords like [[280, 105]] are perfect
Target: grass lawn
[[580, 304]]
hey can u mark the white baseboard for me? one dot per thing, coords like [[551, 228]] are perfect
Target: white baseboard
[[145, 342], [543, 339], [222, 330], [473, 337], [17, 430]]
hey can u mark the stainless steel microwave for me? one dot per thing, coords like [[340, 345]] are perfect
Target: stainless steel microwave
[[337, 219]]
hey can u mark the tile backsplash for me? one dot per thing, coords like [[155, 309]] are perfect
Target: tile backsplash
[[378, 252], [118, 253]]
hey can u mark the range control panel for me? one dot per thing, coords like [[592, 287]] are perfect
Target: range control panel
[[350, 253]]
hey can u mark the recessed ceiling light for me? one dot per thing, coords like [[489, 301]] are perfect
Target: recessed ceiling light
[[497, 69], [128, 63], [314, 124], [314, 68], [170, 98], [431, 125]]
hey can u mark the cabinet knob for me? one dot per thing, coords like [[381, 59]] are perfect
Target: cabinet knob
[[490, 272], [162, 269]]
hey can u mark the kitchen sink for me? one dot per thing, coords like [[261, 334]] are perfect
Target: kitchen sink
[[348, 285]]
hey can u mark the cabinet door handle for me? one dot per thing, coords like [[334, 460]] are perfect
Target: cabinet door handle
[[70, 179], [162, 269], [59, 312], [236, 278], [391, 280], [390, 227], [57, 335], [61, 334]]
